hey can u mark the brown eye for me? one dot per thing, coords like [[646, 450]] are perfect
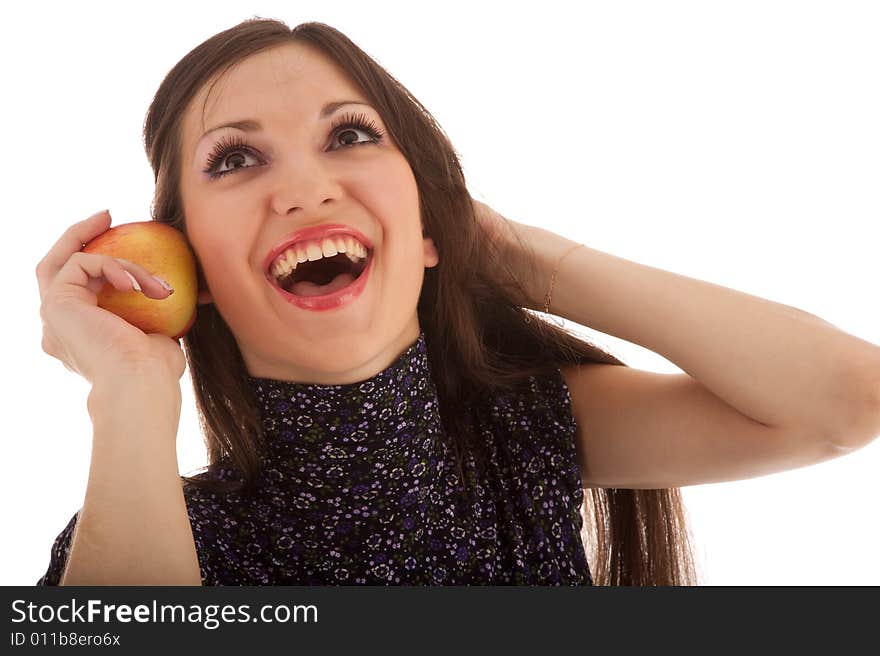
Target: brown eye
[[352, 133], [229, 151], [349, 125], [236, 160]]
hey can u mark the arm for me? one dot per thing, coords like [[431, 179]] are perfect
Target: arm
[[133, 528], [773, 363]]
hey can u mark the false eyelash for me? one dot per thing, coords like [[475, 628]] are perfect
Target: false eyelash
[[225, 147], [360, 122], [236, 143]]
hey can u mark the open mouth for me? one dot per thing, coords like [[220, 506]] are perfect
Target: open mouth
[[323, 276]]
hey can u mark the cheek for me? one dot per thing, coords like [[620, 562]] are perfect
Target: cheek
[[389, 189], [214, 252], [213, 234], [398, 207]]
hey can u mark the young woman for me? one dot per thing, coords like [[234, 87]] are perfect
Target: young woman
[[379, 407]]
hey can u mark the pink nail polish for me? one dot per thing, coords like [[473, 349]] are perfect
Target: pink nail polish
[[134, 282], [164, 284]]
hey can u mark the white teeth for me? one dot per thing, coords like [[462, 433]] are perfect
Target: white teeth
[[315, 250]]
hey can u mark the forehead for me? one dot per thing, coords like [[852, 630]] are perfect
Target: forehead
[[290, 80]]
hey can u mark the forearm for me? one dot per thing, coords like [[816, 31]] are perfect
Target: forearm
[[772, 362], [133, 528]]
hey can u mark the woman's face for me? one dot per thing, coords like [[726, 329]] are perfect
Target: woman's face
[[292, 172]]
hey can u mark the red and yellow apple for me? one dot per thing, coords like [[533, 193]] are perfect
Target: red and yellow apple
[[163, 251]]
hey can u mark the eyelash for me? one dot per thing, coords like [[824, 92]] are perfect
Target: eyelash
[[236, 144]]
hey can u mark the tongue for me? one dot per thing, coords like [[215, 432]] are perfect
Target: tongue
[[306, 288]]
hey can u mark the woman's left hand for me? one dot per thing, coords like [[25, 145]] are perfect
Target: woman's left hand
[[491, 221], [519, 245]]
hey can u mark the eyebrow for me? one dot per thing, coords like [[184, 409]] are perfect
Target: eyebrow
[[251, 125]]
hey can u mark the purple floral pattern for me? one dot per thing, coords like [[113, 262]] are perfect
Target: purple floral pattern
[[359, 487]]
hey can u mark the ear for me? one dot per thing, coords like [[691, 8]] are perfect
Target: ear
[[432, 257]]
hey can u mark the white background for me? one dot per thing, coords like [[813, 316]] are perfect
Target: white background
[[733, 142]]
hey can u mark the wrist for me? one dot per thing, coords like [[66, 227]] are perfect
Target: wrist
[[549, 249], [547, 309], [136, 388]]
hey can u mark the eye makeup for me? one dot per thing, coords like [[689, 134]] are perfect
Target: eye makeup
[[235, 145]]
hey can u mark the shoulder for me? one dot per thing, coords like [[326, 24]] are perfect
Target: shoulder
[[542, 396], [534, 426]]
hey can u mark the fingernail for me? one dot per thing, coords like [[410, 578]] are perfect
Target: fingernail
[[164, 284], [97, 214], [134, 283]]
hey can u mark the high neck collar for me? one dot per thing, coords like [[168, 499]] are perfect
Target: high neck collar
[[368, 413]]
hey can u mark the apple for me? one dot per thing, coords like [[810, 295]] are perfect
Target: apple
[[163, 251]]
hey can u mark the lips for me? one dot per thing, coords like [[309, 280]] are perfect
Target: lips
[[331, 301], [313, 232]]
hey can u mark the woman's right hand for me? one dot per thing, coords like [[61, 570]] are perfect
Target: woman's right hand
[[87, 339]]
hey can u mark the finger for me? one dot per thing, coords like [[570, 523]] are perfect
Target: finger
[[85, 274], [150, 285], [124, 276], [73, 240], [91, 271], [80, 279]]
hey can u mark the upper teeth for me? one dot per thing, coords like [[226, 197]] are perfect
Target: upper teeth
[[316, 249]]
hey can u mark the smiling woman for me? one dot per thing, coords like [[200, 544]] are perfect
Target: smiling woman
[[407, 424], [285, 150]]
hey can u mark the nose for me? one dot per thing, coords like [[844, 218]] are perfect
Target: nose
[[303, 183]]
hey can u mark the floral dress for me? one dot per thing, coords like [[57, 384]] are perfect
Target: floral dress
[[360, 487]]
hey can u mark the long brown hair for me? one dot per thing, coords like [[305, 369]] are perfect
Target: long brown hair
[[479, 338]]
